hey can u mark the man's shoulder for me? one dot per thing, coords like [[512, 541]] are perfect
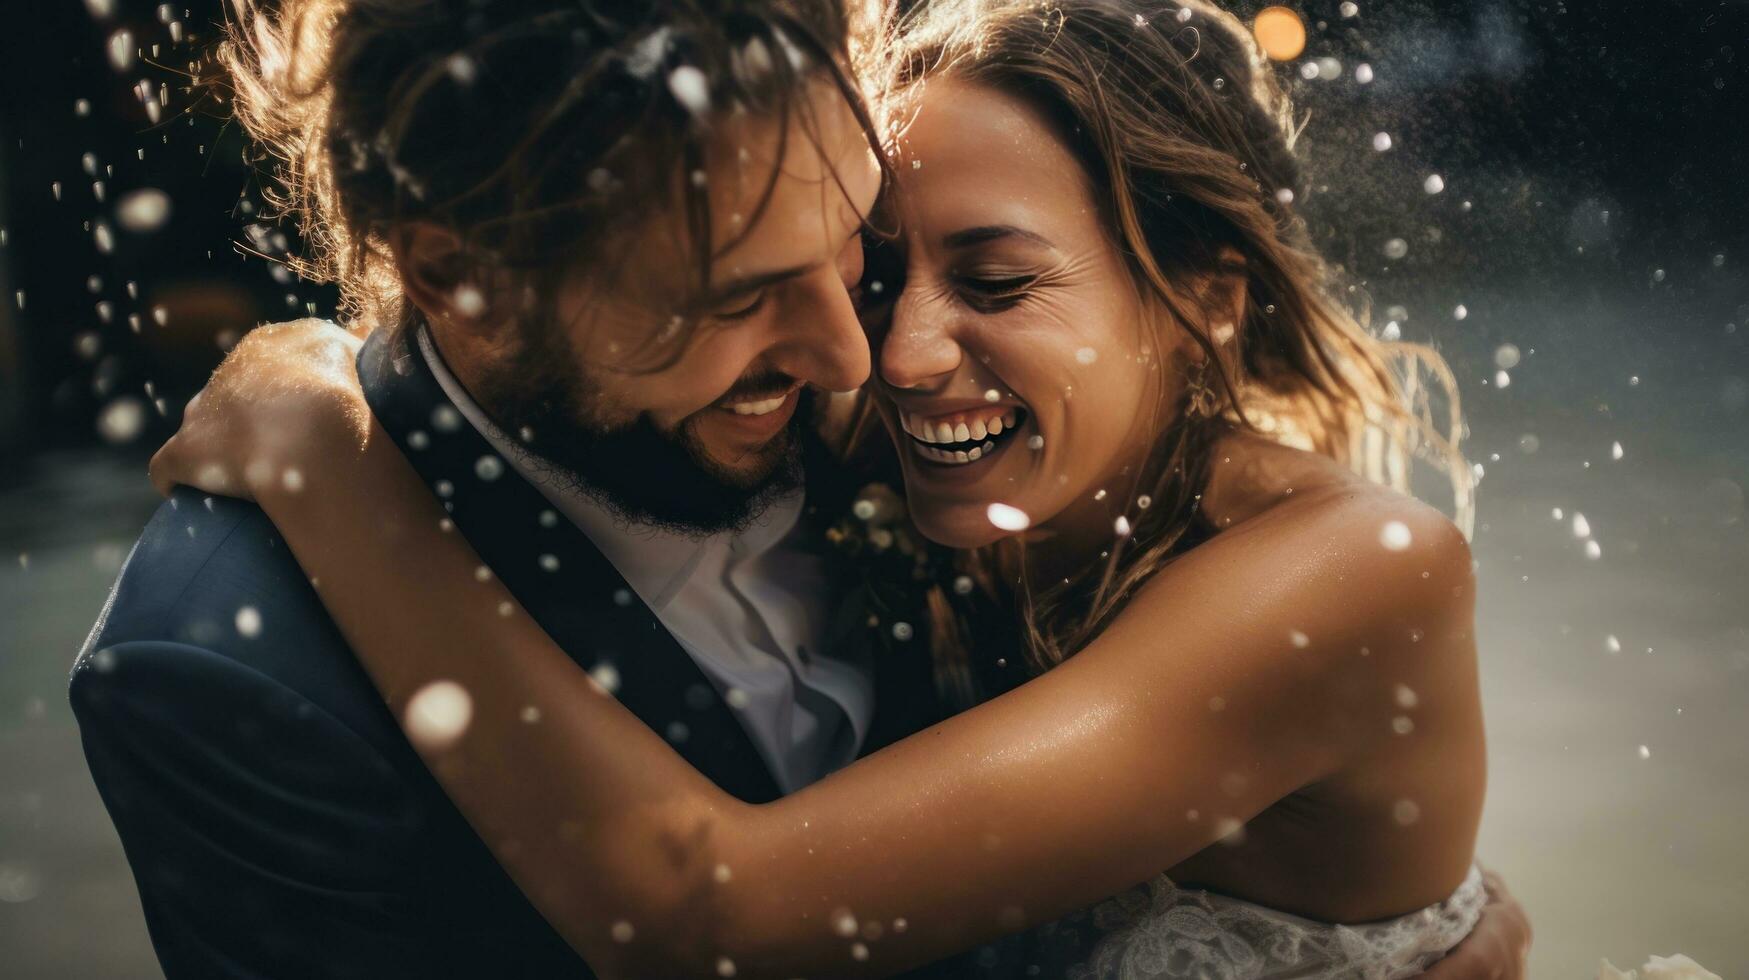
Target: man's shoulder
[[212, 585]]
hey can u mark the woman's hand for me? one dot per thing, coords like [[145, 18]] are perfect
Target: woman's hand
[[286, 398]]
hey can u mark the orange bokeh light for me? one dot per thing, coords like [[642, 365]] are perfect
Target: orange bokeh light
[[1280, 32]]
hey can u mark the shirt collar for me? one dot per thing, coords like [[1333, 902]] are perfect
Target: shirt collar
[[655, 562]]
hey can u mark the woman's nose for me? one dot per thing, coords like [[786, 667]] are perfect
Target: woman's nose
[[919, 347]]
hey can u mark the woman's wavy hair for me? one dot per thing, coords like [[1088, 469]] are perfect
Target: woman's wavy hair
[[535, 129], [1188, 140]]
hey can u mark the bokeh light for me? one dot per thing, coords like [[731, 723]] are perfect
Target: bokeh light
[[1280, 32]]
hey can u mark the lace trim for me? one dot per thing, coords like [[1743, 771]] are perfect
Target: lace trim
[[1159, 931]]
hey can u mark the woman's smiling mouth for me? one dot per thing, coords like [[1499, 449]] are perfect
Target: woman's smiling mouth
[[963, 437]]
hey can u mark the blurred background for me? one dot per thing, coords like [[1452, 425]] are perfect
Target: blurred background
[[1553, 193]]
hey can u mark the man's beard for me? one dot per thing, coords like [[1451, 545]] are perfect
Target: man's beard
[[644, 475]]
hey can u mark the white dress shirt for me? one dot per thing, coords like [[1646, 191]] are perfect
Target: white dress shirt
[[749, 608]]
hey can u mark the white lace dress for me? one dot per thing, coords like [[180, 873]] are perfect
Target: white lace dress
[[1159, 931]]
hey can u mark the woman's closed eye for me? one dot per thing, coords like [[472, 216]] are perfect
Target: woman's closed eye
[[992, 293]]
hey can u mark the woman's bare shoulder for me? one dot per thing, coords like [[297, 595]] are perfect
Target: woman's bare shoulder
[[1357, 581]]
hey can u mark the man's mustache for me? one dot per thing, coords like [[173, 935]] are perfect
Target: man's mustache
[[766, 384]]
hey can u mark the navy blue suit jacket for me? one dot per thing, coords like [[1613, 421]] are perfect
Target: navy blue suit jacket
[[277, 821]]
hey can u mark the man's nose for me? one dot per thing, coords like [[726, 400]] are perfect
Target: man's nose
[[919, 347], [822, 343]]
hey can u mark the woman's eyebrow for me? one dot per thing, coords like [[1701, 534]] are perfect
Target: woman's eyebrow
[[967, 237]]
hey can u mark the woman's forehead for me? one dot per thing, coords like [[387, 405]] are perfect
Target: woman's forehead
[[972, 149]]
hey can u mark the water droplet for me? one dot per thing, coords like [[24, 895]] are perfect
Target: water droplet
[[1086, 355], [963, 585], [1395, 536], [122, 420], [469, 301], [1348, 9], [1406, 697], [1645, 752], [1506, 357], [249, 622], [461, 68], [437, 715], [1461, 312], [1612, 644], [623, 932], [606, 676], [488, 468], [549, 563], [1405, 812], [143, 210], [1615, 450], [1581, 526], [1363, 74], [121, 50], [1502, 379], [903, 631], [445, 418], [691, 89], [1122, 526], [1396, 248], [1402, 724], [1434, 184], [1298, 639], [1008, 518], [1381, 142], [1230, 832], [863, 509], [1593, 550]]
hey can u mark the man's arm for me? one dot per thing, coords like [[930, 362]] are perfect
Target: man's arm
[[1498, 948], [265, 836]]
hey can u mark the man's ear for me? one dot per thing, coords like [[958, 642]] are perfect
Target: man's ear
[[435, 274]]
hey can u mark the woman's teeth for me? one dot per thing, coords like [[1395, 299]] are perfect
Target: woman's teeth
[[762, 407], [957, 428], [958, 439]]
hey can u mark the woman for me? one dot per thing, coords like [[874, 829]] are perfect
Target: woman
[[1113, 379]]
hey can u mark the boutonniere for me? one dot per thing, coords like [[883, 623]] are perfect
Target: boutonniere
[[893, 566]]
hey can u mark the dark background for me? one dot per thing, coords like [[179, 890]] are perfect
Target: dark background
[[1593, 217]]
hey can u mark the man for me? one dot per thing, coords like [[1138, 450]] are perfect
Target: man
[[621, 242]]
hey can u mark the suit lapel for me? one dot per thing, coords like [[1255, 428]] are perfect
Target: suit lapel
[[555, 572]]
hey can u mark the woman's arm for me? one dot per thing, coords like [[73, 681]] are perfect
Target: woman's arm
[[1111, 768]]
